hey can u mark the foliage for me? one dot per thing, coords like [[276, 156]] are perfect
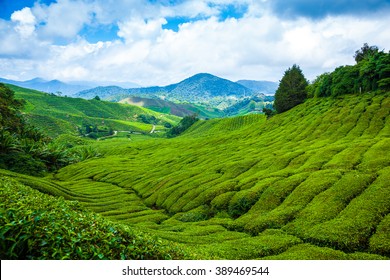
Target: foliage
[[245, 187], [365, 52], [370, 73], [37, 226], [25, 149], [311, 183], [10, 116], [59, 115], [183, 125], [248, 105], [147, 119], [269, 112], [291, 90]]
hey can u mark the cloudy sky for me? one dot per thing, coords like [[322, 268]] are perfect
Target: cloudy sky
[[152, 42]]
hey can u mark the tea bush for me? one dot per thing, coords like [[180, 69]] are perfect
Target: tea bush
[[37, 226]]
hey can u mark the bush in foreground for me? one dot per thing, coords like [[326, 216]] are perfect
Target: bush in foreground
[[37, 226]]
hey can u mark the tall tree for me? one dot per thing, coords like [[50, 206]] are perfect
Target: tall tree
[[10, 117], [292, 89], [365, 52]]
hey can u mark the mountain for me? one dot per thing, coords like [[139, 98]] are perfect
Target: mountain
[[265, 87], [177, 109], [201, 88], [56, 86]]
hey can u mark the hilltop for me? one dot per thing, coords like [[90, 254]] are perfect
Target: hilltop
[[201, 88]]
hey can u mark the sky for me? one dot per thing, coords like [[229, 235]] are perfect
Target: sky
[[152, 42]]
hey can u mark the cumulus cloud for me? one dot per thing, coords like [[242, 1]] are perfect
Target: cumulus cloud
[[25, 22], [259, 44], [63, 19], [140, 29]]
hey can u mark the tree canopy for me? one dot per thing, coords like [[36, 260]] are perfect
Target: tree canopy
[[291, 90], [10, 117], [23, 148], [370, 73], [365, 52], [183, 125]]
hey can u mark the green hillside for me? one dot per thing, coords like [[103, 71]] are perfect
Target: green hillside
[[58, 115], [311, 183]]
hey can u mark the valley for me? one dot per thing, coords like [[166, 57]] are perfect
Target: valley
[[311, 183], [93, 179], [214, 138]]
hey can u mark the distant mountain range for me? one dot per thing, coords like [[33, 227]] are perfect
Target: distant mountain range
[[201, 88], [168, 107], [265, 87], [58, 87]]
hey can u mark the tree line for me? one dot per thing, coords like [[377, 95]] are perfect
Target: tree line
[[370, 73]]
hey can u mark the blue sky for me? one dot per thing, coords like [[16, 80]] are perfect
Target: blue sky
[[153, 42]]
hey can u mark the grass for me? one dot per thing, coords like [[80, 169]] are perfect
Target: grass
[[62, 115], [311, 183]]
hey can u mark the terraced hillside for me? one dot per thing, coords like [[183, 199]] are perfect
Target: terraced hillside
[[58, 115], [311, 183]]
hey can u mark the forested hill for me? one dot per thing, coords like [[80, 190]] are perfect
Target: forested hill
[[57, 115], [200, 88]]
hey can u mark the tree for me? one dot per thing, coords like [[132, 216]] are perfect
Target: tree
[[321, 86], [97, 98], [292, 89], [268, 112], [252, 105], [10, 116], [345, 80], [365, 52], [183, 125]]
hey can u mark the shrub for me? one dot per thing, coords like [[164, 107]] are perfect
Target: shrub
[[37, 226]]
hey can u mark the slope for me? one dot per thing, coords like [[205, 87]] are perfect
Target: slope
[[168, 107], [201, 88], [311, 183], [95, 237], [58, 115]]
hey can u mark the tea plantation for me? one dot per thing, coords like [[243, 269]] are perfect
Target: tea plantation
[[310, 183], [57, 115]]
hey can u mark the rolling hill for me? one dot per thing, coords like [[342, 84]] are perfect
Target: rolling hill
[[59, 115], [54, 86], [311, 183], [177, 109], [59, 87]]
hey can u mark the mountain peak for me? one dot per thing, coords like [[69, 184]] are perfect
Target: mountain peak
[[202, 88]]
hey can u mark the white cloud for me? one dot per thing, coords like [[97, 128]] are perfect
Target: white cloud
[[25, 22], [258, 46], [63, 19], [140, 29]]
